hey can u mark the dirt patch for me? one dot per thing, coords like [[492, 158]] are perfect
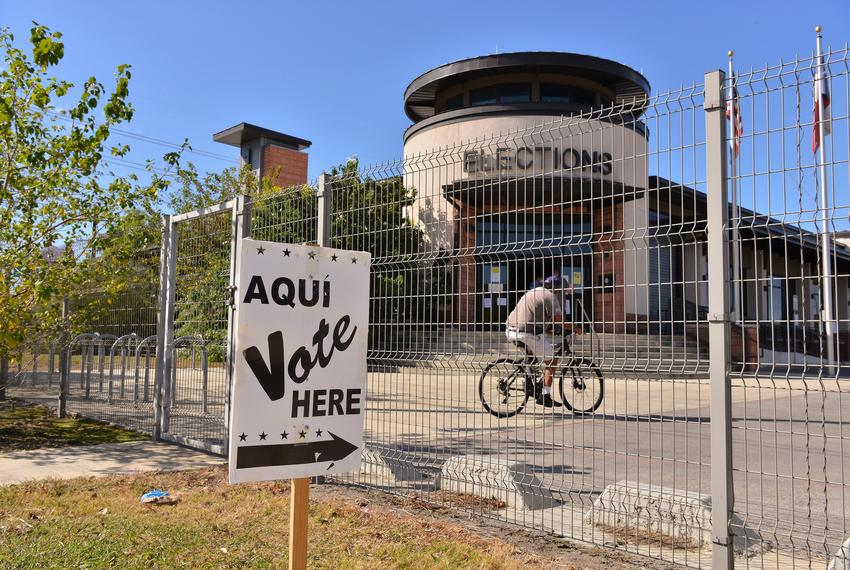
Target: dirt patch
[[551, 551], [643, 537]]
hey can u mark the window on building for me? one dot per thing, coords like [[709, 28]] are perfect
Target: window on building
[[491, 231], [508, 93], [455, 102], [776, 303], [515, 93], [567, 94], [814, 302]]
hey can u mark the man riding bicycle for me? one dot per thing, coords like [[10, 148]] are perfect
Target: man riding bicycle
[[531, 324]]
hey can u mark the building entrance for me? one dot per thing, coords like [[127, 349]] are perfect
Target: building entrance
[[513, 255], [502, 283]]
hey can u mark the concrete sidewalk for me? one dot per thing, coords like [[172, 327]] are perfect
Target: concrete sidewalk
[[99, 460]]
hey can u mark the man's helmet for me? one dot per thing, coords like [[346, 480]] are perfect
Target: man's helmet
[[553, 282]]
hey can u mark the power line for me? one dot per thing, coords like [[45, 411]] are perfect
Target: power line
[[154, 140], [137, 166]]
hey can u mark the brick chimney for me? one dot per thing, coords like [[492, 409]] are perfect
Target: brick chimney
[[271, 154]]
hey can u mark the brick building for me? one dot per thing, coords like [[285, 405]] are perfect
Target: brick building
[[278, 156]]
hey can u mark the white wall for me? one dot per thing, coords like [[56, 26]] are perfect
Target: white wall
[[493, 148]]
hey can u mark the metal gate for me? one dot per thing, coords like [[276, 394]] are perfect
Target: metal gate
[[194, 393]]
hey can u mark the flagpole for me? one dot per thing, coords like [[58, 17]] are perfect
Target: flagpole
[[826, 253], [737, 313]]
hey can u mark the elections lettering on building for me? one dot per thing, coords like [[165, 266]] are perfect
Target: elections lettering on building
[[299, 385]]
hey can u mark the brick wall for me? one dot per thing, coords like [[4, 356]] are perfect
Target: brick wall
[[284, 166], [609, 312]]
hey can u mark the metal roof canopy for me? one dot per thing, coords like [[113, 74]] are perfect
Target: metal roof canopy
[[239, 135], [751, 222], [627, 84], [533, 191]]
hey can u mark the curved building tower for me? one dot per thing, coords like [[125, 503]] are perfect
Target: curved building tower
[[531, 163]]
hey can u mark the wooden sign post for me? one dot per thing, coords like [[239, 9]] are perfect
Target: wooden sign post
[[298, 523], [299, 369]]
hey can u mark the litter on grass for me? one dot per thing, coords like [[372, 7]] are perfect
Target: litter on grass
[[158, 497]]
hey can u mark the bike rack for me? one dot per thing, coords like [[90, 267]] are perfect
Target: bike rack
[[148, 345], [85, 342], [194, 342], [101, 357], [124, 344]]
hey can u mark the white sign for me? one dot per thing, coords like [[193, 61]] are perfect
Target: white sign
[[495, 274], [299, 386]]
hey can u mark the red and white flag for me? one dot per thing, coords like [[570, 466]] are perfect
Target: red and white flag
[[733, 114], [821, 93]]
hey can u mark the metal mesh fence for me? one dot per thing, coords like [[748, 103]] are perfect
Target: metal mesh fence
[[111, 366], [459, 236], [33, 372], [789, 386], [540, 311], [289, 216], [109, 353]]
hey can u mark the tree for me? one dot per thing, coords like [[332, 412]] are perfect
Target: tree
[[64, 212], [367, 214]]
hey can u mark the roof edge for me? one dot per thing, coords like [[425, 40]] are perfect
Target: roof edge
[[239, 134]]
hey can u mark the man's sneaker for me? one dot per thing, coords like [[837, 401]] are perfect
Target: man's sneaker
[[547, 401]]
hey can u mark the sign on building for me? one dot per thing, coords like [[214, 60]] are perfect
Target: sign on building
[[299, 385]]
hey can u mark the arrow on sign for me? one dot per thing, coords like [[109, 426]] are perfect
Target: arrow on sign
[[248, 456]]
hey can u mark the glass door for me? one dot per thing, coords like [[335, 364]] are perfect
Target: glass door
[[493, 293]]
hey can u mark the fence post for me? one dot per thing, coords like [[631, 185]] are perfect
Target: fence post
[[162, 325], [718, 313], [241, 228], [323, 238], [325, 196], [64, 363]]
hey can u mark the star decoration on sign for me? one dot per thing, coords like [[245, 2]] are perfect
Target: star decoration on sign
[[302, 434], [334, 257], [312, 255], [284, 435], [263, 436], [319, 433], [261, 250], [353, 260], [243, 436], [286, 252]]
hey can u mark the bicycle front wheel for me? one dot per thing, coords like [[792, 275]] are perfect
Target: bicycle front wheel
[[581, 385], [502, 388]]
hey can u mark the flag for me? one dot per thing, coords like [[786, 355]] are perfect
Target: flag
[[821, 93], [733, 114]]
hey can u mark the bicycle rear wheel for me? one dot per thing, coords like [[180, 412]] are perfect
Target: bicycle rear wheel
[[502, 387], [581, 386]]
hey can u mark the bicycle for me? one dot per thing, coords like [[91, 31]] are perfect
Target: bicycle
[[511, 381]]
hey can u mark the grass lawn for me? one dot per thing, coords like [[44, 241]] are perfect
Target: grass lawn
[[99, 523], [27, 426]]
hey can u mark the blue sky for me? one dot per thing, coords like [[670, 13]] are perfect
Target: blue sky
[[335, 72]]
